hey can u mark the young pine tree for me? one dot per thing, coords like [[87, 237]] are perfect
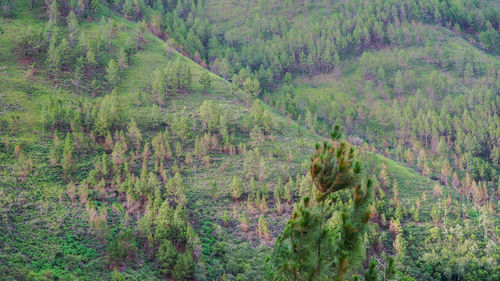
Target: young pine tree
[[184, 268], [112, 73], [236, 188], [263, 228], [206, 83], [167, 256], [134, 134]]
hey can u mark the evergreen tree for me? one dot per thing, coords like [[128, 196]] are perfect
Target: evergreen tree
[[244, 221], [206, 82], [54, 55], [310, 250], [158, 87], [53, 12], [184, 268], [225, 218], [213, 191], [72, 22], [67, 157], [112, 73], [134, 133], [53, 155], [167, 256], [252, 88], [108, 115], [263, 228], [236, 188], [210, 114], [118, 154]]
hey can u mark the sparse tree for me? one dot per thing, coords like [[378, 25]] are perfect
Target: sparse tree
[[263, 228], [134, 133], [206, 82], [112, 73], [236, 188]]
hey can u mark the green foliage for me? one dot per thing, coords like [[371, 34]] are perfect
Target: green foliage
[[117, 276], [251, 88], [490, 39], [112, 73], [206, 83], [263, 228], [134, 134], [184, 267], [310, 250], [387, 271], [122, 250], [108, 115], [167, 256], [53, 13], [210, 114], [158, 90], [67, 157], [236, 188], [424, 97], [332, 166]]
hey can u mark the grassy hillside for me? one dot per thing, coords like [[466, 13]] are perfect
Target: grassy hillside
[[48, 236], [84, 196]]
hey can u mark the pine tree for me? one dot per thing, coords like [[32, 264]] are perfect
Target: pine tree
[[210, 114], [244, 222], [225, 218], [263, 205], [415, 211], [309, 120], [72, 22], [395, 193], [206, 82], [213, 191], [122, 60], [287, 193], [158, 90], [236, 188], [252, 88], [112, 73], [53, 12], [118, 154], [167, 256], [384, 176], [53, 155], [400, 245], [134, 133], [93, 5], [71, 191], [310, 250], [67, 158], [184, 268], [279, 206], [54, 55], [263, 228]]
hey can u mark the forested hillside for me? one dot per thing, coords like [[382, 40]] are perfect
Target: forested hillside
[[192, 140]]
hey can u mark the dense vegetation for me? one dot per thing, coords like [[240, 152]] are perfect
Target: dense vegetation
[[172, 139]]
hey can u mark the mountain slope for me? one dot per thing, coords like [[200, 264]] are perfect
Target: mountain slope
[[71, 199]]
